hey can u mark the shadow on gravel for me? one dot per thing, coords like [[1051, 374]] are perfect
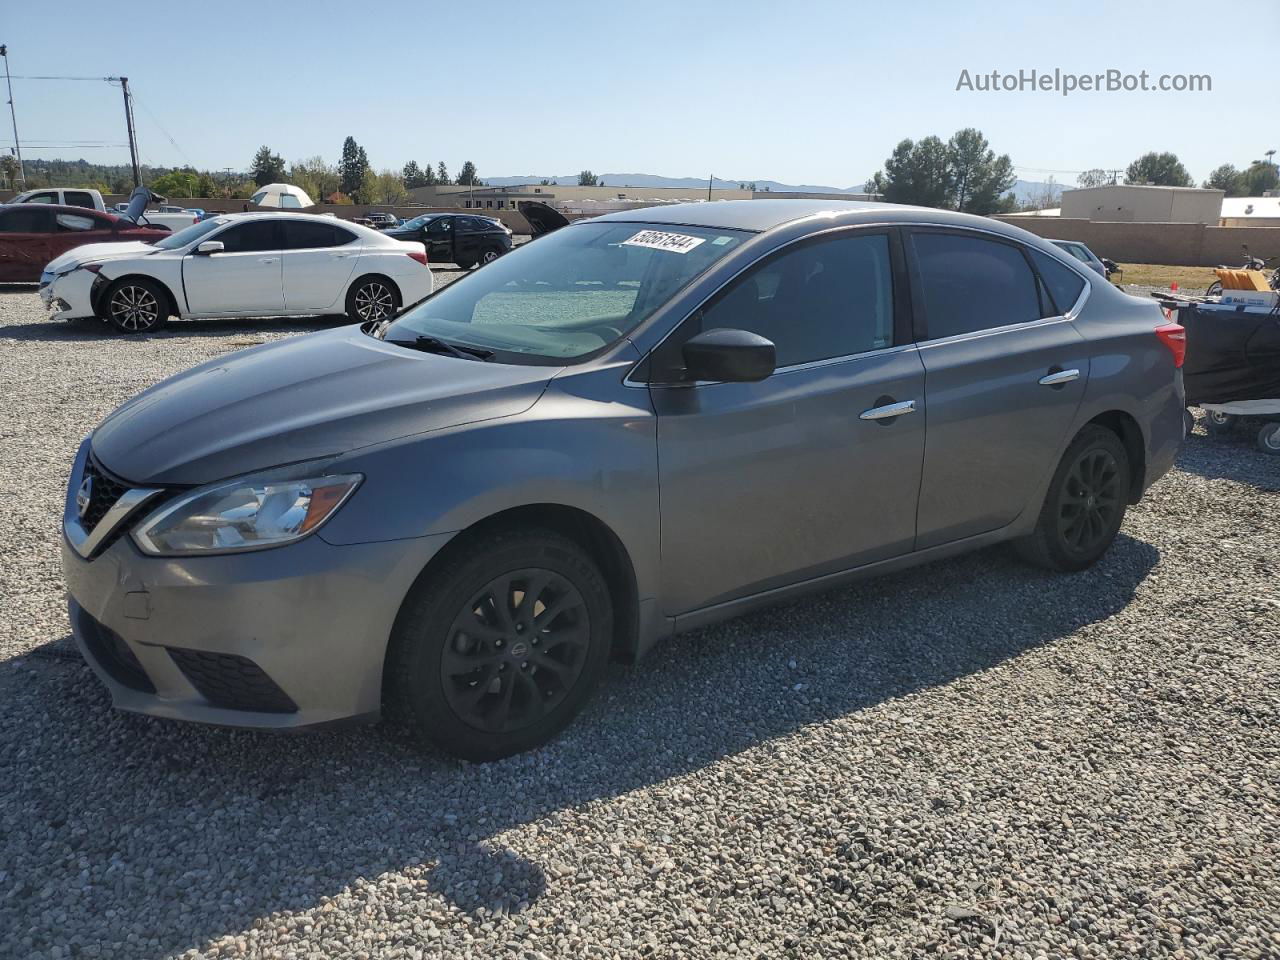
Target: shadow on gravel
[[190, 834], [246, 327], [1234, 456]]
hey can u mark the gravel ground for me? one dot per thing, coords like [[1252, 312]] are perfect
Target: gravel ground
[[968, 759]]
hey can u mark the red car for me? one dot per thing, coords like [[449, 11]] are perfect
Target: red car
[[32, 234]]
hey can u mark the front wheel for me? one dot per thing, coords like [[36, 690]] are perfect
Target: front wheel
[[372, 298], [1085, 504], [136, 305], [1214, 290], [496, 651], [489, 256]]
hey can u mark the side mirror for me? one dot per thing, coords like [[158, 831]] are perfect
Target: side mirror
[[210, 246], [729, 356]]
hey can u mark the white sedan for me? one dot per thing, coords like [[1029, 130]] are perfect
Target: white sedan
[[241, 265]]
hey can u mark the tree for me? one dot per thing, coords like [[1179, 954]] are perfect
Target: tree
[[413, 176], [587, 179], [442, 174], [467, 176], [1159, 169], [1226, 178], [9, 170], [545, 183], [383, 188], [916, 173], [316, 176], [979, 178], [1096, 177], [352, 167], [1048, 196], [267, 167], [1259, 178], [180, 183]]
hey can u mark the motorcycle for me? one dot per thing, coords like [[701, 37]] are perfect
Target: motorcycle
[[1250, 263]]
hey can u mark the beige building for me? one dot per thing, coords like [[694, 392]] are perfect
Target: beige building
[[1128, 203]]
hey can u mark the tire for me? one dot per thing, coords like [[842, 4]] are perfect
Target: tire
[[1214, 289], [1085, 504], [136, 305], [1219, 424], [465, 264], [451, 640], [1269, 439], [489, 256], [372, 298]]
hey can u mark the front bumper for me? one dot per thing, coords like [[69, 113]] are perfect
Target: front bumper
[[285, 638], [69, 296]]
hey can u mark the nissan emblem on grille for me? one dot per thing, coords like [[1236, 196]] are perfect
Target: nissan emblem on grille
[[84, 497]]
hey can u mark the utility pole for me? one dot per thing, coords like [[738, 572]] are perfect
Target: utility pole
[[17, 147], [710, 180], [133, 139]]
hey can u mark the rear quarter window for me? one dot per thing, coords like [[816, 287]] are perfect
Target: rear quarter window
[[1063, 283]]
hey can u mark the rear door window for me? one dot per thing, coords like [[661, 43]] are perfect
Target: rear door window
[[73, 222], [308, 235], [21, 219], [970, 283], [78, 198]]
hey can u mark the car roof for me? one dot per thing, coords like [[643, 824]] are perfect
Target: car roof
[[312, 217], [60, 208], [762, 215]]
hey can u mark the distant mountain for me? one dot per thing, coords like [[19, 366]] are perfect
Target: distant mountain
[[653, 180], [1022, 189]]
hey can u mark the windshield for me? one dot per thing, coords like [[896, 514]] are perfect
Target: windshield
[[419, 221], [570, 293], [190, 234]]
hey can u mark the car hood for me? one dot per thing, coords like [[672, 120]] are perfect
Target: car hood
[[90, 252], [300, 399]]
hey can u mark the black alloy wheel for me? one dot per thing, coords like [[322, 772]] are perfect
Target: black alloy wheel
[[515, 650]]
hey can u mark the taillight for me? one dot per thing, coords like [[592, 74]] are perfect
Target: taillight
[[1174, 336], [421, 257]]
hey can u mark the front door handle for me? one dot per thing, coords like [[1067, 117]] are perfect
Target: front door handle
[[267, 260], [1059, 377], [888, 411]]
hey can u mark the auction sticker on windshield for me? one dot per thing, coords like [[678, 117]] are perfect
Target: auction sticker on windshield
[[660, 240]]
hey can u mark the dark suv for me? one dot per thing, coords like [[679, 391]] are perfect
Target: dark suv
[[457, 238]]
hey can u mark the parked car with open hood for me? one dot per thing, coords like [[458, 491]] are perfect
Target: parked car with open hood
[[32, 234], [641, 424], [257, 264]]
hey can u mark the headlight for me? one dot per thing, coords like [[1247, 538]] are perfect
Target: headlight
[[251, 513]]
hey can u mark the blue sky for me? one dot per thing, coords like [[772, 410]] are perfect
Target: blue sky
[[802, 92]]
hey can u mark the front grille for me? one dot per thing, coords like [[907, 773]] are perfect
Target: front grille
[[231, 681], [111, 652], [104, 489]]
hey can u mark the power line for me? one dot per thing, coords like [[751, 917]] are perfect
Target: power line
[[160, 126], [30, 77]]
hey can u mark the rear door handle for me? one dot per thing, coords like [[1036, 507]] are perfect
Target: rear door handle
[[888, 411], [1059, 377], [267, 260]]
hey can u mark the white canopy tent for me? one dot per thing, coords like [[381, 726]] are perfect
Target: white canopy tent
[[283, 196]]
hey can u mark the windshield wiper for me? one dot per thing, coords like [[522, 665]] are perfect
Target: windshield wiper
[[436, 345]]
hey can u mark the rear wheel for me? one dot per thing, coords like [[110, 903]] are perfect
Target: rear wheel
[[498, 650], [1085, 504], [372, 298], [489, 256], [465, 264], [136, 305], [1215, 289]]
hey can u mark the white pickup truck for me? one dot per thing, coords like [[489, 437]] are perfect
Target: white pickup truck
[[79, 197]]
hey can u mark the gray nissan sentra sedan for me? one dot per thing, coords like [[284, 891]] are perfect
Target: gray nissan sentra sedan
[[638, 425]]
